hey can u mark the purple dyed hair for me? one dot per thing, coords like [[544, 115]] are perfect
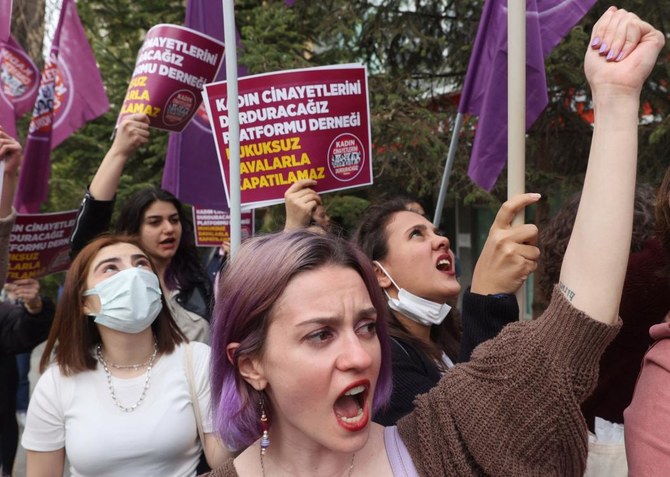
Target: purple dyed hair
[[253, 282]]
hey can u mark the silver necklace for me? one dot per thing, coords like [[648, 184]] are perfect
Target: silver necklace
[[116, 401], [351, 466]]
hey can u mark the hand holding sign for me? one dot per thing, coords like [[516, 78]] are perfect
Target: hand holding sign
[[301, 201], [10, 152], [28, 291], [132, 133]]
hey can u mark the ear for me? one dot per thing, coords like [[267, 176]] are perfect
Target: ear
[[250, 368], [383, 280], [91, 305]]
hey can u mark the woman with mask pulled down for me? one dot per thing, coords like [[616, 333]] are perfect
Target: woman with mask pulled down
[[415, 267], [117, 400]]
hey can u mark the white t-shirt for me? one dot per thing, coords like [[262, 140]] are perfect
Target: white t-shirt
[[159, 438]]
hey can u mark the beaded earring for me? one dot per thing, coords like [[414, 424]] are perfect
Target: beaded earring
[[265, 427]]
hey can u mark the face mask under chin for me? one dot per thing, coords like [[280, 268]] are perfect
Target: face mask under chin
[[420, 310]]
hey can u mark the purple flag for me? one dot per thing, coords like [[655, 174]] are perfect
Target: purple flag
[[192, 170], [485, 87], [70, 94], [5, 19]]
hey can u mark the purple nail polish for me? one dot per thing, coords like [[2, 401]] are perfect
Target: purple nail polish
[[620, 57], [610, 55], [596, 41], [603, 48]]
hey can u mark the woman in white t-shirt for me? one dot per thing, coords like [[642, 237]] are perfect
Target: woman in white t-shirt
[[117, 401]]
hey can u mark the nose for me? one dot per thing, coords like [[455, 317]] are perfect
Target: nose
[[441, 241], [168, 226], [354, 355]]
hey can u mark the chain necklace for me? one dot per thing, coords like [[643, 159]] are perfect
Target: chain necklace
[[351, 466], [150, 365]]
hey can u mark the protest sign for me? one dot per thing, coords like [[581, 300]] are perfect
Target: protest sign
[[40, 244], [212, 227], [300, 124], [20, 77], [172, 66]]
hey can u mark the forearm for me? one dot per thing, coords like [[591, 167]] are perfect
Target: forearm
[[595, 260], [8, 190], [105, 183]]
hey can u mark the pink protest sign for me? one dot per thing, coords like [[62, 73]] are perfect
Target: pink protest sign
[[172, 66], [39, 244], [212, 227], [310, 123]]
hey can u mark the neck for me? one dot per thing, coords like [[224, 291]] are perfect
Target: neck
[[288, 460], [126, 348], [161, 266], [419, 331]]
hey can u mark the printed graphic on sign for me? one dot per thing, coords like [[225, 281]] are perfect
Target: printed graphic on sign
[[212, 227], [20, 77], [172, 66], [39, 244], [300, 124], [345, 157], [52, 98]]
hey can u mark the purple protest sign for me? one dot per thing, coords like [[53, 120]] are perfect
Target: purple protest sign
[[20, 77], [39, 244], [212, 227], [301, 124], [172, 66]]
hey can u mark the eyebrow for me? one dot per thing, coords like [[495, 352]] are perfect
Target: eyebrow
[[159, 216], [134, 257], [333, 320]]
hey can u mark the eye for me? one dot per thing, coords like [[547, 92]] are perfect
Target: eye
[[109, 268], [153, 222], [143, 263], [320, 336], [416, 232], [174, 220], [367, 328]]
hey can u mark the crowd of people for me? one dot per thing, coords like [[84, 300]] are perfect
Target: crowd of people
[[334, 357]]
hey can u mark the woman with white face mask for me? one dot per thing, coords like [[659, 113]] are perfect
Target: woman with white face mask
[[117, 401], [415, 267]]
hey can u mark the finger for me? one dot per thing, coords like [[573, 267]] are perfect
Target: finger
[[529, 252], [524, 233], [626, 37], [512, 207], [600, 28], [299, 184]]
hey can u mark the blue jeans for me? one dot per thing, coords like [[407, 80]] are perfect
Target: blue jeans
[[23, 391]]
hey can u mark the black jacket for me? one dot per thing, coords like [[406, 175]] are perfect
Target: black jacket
[[415, 373], [21, 331]]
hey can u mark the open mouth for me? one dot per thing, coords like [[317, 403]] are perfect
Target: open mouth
[[169, 241], [351, 407], [444, 263]]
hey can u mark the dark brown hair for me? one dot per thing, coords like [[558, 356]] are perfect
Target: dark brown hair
[[372, 237], [73, 333]]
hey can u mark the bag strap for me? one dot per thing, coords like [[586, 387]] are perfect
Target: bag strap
[[188, 359]]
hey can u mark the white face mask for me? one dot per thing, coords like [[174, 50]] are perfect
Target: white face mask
[[424, 312], [129, 301]]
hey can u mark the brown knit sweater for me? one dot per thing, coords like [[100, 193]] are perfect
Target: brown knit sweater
[[513, 409]]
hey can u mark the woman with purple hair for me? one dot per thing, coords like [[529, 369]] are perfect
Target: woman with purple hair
[[300, 354]]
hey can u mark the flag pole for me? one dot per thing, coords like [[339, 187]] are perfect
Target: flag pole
[[516, 113], [453, 145], [233, 124]]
